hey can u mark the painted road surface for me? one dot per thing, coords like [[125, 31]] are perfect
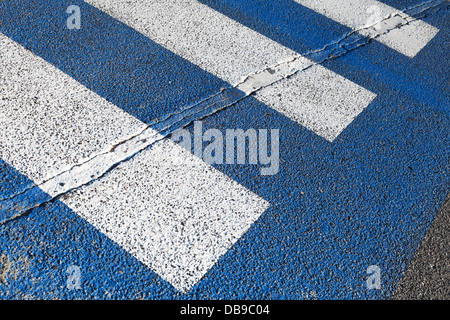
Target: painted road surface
[[124, 167]]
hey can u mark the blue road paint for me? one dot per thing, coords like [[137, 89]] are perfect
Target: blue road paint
[[337, 208], [13, 182], [17, 193]]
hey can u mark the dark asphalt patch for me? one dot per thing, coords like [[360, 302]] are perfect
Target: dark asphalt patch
[[428, 276]]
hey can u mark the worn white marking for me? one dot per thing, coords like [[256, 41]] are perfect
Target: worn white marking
[[177, 219], [360, 15], [49, 121], [319, 99]]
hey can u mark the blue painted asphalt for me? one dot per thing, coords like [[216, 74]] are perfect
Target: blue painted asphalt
[[366, 199]]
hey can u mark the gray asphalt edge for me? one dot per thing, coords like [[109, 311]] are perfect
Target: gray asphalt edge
[[428, 274]]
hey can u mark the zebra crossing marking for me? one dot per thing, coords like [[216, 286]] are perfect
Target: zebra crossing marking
[[357, 15]]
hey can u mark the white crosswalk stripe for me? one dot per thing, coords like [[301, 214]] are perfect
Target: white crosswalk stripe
[[232, 51], [321, 100], [199, 34], [48, 121], [177, 219], [408, 40]]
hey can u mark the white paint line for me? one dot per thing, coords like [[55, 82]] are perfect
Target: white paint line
[[49, 121], [408, 40], [319, 99], [199, 34], [177, 217], [230, 51]]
